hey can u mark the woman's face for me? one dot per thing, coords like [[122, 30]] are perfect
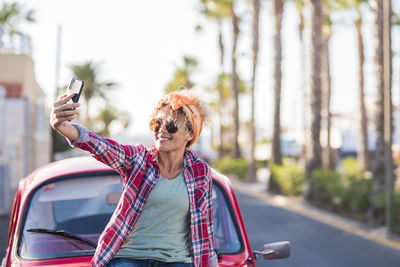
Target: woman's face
[[166, 141]]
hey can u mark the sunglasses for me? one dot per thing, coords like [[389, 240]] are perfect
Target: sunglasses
[[155, 125]]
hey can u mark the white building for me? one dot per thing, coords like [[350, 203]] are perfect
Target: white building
[[25, 139]]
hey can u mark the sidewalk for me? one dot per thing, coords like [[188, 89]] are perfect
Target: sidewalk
[[379, 235]]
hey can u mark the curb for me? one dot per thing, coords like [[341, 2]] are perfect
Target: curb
[[379, 235]]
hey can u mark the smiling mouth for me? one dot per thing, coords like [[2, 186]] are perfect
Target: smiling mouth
[[163, 138]]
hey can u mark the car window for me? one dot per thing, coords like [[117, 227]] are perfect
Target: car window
[[79, 206], [83, 206], [226, 237]]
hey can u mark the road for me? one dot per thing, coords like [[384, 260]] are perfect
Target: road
[[314, 244], [4, 219]]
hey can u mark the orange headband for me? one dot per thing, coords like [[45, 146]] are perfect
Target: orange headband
[[191, 110]]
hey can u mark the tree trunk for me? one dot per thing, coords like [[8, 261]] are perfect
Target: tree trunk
[[221, 124], [220, 90], [276, 157], [1, 36], [303, 158], [363, 152], [256, 23], [235, 87], [326, 97], [376, 214], [315, 85]]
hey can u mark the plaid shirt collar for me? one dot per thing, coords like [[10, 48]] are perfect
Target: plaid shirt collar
[[189, 159]]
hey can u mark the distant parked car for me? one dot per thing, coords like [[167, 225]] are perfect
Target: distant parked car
[[61, 209]]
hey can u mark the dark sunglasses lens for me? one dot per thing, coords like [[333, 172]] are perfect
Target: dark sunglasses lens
[[171, 127], [155, 125]]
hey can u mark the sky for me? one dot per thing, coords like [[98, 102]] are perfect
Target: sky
[[140, 43]]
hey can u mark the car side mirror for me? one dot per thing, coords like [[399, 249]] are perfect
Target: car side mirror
[[276, 250]]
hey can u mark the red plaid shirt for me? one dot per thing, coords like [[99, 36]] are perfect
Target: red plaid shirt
[[139, 170]]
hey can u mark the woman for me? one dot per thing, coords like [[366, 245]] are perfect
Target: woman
[[164, 215]]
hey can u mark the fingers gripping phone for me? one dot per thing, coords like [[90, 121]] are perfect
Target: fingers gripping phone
[[75, 86]]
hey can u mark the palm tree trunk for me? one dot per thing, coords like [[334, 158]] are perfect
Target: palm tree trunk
[[1, 36], [315, 85], [220, 90], [303, 158], [382, 168], [330, 158], [326, 92], [378, 180], [363, 153], [235, 87], [276, 157], [221, 124], [256, 23]]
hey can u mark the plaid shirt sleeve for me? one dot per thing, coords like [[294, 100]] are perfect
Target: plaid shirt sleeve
[[117, 156]]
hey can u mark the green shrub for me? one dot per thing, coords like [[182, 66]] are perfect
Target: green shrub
[[326, 188], [351, 167], [231, 166], [357, 195], [396, 213], [348, 192], [287, 180]]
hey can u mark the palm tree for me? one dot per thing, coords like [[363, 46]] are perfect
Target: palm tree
[[11, 16], [218, 11], [222, 87], [396, 22], [300, 8], [256, 22], [363, 152], [182, 76], [89, 72], [276, 156], [106, 117], [326, 85], [380, 169], [315, 85], [234, 76]]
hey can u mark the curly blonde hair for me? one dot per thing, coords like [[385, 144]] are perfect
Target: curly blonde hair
[[179, 114]]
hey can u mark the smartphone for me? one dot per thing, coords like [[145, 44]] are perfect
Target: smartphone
[[76, 86]]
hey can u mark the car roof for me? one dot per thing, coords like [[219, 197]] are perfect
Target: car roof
[[83, 164]]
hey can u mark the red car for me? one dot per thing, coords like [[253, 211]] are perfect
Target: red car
[[61, 209]]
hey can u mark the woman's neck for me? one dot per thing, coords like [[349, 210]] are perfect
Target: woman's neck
[[170, 164]]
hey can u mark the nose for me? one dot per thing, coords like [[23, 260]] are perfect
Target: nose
[[163, 127]]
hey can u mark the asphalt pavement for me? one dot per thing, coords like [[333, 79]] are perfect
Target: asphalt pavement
[[4, 220]]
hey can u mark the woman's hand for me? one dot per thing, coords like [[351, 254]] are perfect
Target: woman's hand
[[62, 113]]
